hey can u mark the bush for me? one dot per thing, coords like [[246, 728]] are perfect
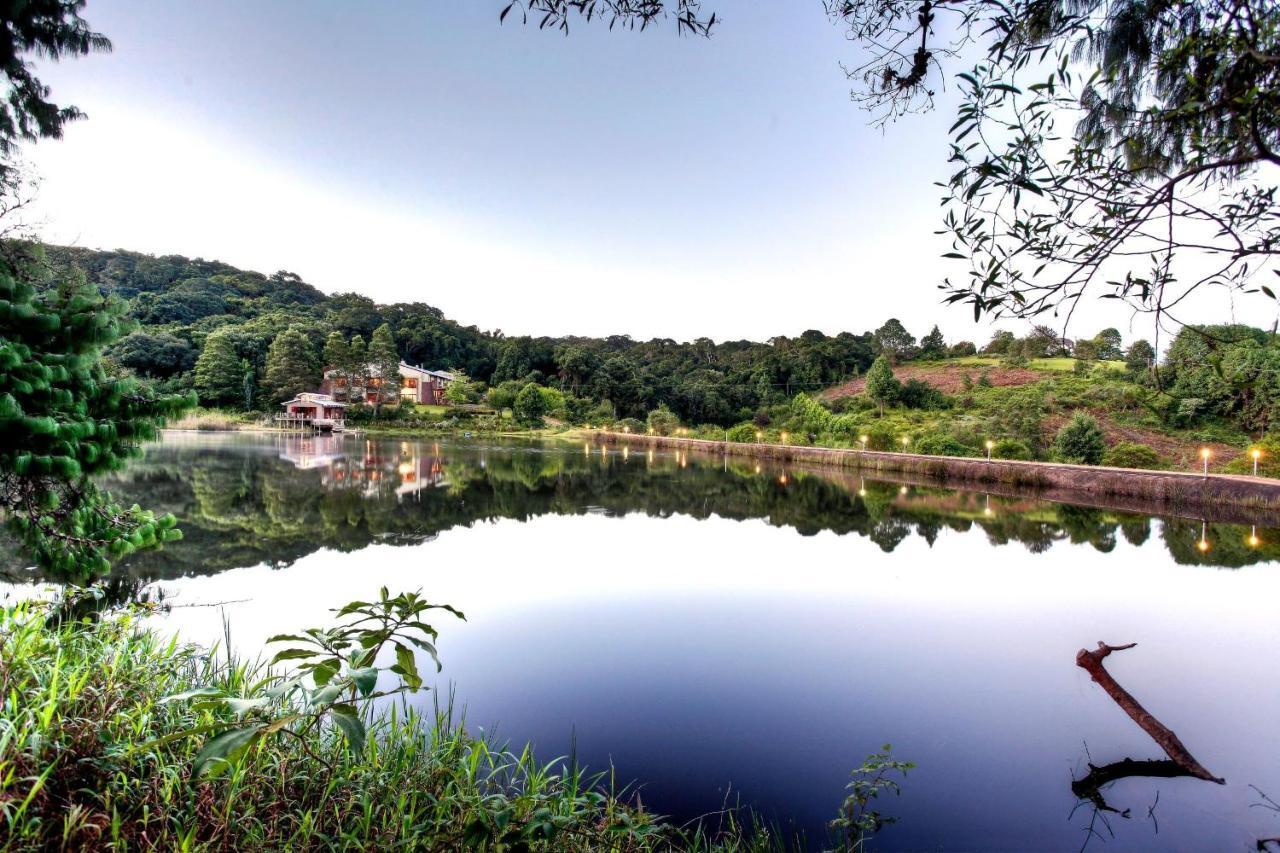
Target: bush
[[1268, 462], [1011, 448], [984, 379], [1129, 454], [916, 394], [530, 405], [1080, 441], [938, 444], [810, 416], [634, 425], [743, 434], [662, 421]]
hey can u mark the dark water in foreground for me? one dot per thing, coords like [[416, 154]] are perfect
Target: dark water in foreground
[[726, 634]]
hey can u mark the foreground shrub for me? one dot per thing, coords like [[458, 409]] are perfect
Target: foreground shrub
[[1011, 448], [632, 425], [1080, 441], [113, 738], [743, 433], [1130, 454]]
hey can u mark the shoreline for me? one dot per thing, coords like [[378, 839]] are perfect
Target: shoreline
[[1178, 491]]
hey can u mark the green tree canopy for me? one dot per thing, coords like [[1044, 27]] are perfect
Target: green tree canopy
[[1080, 441], [882, 386], [530, 405], [219, 375], [291, 366], [63, 420], [893, 339], [384, 359], [933, 345]]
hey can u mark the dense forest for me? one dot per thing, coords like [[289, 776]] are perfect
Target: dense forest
[[181, 302], [246, 340]]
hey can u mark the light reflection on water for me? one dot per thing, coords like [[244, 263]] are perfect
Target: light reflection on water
[[672, 621]]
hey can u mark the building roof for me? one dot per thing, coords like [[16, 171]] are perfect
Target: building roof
[[316, 398]]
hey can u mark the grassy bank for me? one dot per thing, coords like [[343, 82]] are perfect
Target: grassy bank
[[92, 756]]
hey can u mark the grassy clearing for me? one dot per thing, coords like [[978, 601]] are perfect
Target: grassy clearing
[[211, 420], [91, 757]]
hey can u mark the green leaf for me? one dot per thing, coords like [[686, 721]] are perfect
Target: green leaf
[[199, 692], [293, 654], [326, 694], [224, 749], [408, 666], [243, 706], [288, 638], [365, 678], [348, 719], [324, 672]]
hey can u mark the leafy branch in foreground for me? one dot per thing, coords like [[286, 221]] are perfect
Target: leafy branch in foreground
[[858, 819], [63, 419], [335, 679]]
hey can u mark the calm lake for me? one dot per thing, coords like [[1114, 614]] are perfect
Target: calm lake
[[721, 633]]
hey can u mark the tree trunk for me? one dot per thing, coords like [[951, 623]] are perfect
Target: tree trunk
[[1091, 661]]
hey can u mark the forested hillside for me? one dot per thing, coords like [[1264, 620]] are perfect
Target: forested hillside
[[180, 302], [246, 340]]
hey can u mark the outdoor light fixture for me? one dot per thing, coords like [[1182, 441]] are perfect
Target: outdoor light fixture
[[863, 439], [784, 438], [990, 445], [1255, 453], [905, 441], [1204, 454]]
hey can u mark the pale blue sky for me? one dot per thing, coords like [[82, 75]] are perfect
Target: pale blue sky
[[639, 183]]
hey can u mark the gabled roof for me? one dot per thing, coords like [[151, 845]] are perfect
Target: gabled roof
[[316, 398]]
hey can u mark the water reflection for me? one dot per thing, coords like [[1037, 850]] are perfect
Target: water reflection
[[250, 499], [708, 659]]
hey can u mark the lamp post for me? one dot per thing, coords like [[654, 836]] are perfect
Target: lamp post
[[784, 438], [1255, 453], [1204, 455], [906, 439], [990, 445], [863, 439]]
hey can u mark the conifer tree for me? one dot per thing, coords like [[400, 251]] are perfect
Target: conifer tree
[[933, 345], [219, 378], [291, 366], [882, 386], [63, 420], [384, 358], [337, 361]]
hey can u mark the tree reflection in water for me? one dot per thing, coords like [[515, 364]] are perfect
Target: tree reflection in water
[[245, 499]]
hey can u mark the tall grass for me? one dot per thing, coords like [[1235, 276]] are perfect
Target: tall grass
[[92, 759], [209, 420]]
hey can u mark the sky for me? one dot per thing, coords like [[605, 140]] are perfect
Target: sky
[[601, 183]]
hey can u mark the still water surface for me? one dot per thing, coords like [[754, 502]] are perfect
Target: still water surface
[[722, 634]]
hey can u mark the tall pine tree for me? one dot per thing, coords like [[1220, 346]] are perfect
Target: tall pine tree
[[63, 420], [384, 359], [219, 378], [291, 366]]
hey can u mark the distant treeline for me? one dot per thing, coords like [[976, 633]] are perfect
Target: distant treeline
[[179, 302], [1231, 372]]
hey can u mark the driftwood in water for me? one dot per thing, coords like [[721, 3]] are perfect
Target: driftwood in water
[[1090, 787], [1091, 661]]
